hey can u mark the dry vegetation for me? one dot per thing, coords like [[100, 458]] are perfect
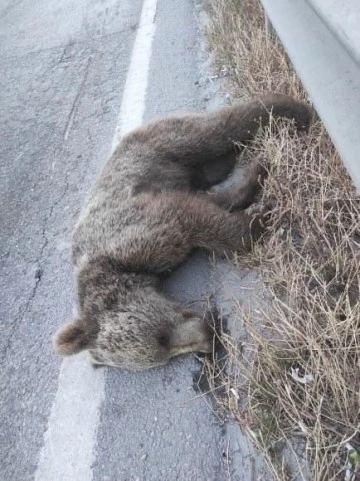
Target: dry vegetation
[[302, 380]]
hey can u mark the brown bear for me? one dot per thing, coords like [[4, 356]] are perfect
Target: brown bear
[[147, 211]]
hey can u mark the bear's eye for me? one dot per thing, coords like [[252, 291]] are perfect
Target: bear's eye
[[164, 339]]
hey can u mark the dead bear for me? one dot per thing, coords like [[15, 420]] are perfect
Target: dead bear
[[147, 211]]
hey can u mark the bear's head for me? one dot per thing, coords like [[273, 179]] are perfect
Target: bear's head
[[124, 321]]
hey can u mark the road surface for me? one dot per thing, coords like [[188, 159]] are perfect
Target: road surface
[[73, 75]]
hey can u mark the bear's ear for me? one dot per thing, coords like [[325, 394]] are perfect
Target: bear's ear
[[71, 338]]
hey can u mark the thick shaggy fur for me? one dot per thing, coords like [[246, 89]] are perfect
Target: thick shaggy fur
[[148, 210]]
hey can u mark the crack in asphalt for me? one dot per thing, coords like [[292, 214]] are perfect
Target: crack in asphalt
[[38, 273], [38, 262], [71, 115], [77, 43]]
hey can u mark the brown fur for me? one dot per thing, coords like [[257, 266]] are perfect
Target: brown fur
[[145, 214]]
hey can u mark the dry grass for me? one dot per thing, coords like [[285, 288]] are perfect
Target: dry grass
[[255, 60], [302, 380]]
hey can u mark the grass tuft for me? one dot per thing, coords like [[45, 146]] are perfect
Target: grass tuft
[[301, 381]]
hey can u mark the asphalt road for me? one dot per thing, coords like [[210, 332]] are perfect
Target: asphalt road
[[63, 74]]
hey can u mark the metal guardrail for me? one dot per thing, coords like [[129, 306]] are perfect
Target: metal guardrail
[[322, 38]]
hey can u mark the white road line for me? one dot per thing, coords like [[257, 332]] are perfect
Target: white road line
[[69, 442], [134, 96]]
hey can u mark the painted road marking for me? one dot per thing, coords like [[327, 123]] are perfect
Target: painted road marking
[[69, 441], [133, 101]]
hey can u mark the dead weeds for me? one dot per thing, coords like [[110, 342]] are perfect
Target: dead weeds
[[302, 380]]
